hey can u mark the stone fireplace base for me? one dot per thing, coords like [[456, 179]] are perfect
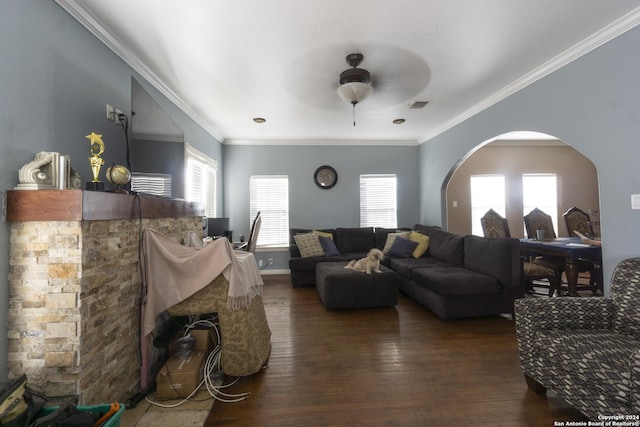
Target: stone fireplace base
[[75, 290]]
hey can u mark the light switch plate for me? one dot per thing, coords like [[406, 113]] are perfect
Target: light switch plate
[[635, 201]]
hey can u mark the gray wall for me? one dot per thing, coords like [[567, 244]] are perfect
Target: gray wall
[[591, 104], [310, 206], [160, 157], [55, 80]]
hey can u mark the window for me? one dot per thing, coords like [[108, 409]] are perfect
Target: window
[[539, 190], [378, 201], [200, 174], [487, 192], [269, 195]]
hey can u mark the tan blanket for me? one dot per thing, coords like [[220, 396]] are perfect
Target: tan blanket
[[173, 272]]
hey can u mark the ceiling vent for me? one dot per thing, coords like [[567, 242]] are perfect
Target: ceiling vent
[[418, 105]]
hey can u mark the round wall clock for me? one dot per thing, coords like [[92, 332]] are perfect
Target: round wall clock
[[325, 177]]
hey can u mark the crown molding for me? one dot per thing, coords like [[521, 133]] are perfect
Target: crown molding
[[122, 50], [323, 142], [608, 33]]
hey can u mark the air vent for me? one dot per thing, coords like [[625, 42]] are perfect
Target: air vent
[[418, 105]]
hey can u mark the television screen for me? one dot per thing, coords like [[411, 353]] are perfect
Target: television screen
[[218, 227]]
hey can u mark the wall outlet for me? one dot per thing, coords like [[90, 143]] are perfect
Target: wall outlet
[[260, 263], [111, 113], [270, 262]]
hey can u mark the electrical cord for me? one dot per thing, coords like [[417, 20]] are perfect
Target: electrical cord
[[212, 370], [124, 120]]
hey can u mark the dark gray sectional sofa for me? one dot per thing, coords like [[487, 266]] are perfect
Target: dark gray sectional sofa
[[459, 276]]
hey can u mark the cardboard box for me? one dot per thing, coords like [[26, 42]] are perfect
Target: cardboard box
[[206, 340], [178, 378]]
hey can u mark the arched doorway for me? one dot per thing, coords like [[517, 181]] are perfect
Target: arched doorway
[[513, 155]]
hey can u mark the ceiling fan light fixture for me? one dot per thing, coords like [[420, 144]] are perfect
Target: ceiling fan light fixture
[[354, 92], [355, 82]]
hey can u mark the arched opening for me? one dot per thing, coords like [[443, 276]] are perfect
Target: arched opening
[[513, 156]]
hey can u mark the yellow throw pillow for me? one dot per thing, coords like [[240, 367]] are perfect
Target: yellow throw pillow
[[423, 243], [323, 234]]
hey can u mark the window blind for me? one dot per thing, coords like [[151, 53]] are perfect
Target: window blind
[[200, 173], [378, 199], [157, 184], [269, 195]]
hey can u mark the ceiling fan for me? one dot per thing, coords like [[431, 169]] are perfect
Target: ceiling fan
[[355, 83]]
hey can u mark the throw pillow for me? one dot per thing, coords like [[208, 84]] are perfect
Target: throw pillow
[[423, 243], [391, 237], [309, 245], [328, 246], [402, 248], [323, 233]]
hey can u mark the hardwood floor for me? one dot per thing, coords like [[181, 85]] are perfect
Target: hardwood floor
[[396, 366]]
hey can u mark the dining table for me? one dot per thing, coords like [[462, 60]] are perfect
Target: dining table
[[571, 249]]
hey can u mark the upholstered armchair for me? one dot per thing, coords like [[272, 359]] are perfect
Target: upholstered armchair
[[586, 350]]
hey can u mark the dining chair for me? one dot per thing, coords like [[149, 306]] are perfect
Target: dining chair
[[578, 220], [494, 225], [536, 220], [253, 233], [539, 220]]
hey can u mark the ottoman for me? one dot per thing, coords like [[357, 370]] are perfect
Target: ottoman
[[340, 288]]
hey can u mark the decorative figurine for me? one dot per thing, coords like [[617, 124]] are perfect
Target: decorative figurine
[[96, 162], [48, 171]]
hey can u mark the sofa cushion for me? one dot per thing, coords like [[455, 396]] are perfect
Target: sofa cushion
[[455, 281], [328, 246], [423, 243], [355, 239], [496, 257], [309, 245], [402, 248], [404, 266], [445, 246]]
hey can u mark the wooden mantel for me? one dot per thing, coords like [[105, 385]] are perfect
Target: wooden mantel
[[77, 205]]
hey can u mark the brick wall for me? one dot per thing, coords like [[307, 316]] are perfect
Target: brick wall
[[74, 305]]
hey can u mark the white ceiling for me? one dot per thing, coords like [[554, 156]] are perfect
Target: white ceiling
[[226, 62]]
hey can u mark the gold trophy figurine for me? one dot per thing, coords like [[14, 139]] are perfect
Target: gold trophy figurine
[[96, 162]]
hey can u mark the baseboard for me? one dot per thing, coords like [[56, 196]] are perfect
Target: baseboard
[[269, 272]]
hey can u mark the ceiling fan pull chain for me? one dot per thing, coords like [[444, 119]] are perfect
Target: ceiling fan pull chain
[[354, 114]]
